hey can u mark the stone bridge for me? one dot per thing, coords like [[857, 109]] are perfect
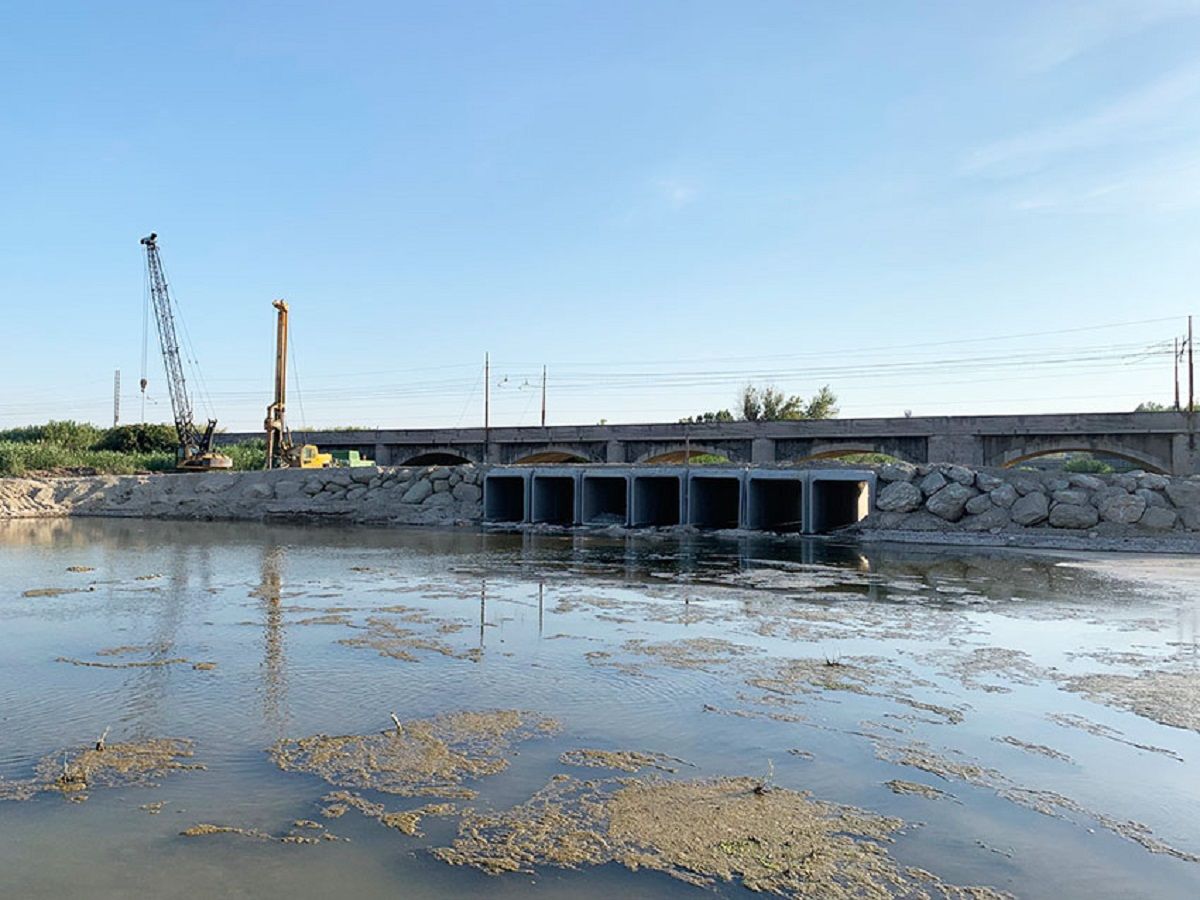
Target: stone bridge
[[1163, 442]]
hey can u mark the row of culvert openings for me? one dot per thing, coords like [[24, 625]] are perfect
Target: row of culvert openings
[[772, 504]]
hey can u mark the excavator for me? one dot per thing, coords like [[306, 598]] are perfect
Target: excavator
[[281, 451], [195, 451]]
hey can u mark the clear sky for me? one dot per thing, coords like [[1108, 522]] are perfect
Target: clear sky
[[929, 206]]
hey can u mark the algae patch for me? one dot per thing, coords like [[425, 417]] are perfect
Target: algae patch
[[1169, 698], [702, 832], [74, 771], [620, 760], [420, 757], [338, 803]]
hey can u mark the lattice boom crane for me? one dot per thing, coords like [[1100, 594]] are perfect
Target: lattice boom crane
[[195, 451]]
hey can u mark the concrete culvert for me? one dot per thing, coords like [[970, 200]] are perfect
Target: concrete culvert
[[775, 504], [605, 500], [554, 499], [714, 502], [504, 498], [836, 504], [656, 500]]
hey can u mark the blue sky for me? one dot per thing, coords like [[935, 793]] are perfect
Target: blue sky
[[940, 207]]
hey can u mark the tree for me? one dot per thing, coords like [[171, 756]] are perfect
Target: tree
[[1150, 406], [769, 404]]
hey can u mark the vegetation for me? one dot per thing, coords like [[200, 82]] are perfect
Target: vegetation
[[1088, 465], [768, 404], [67, 446], [1151, 406]]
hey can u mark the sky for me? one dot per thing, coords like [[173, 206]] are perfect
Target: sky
[[935, 207]]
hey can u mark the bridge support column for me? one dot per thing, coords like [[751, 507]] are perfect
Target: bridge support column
[[762, 451], [614, 452], [963, 449], [1185, 457], [383, 455]]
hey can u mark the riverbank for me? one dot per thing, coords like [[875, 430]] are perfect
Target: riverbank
[[930, 504]]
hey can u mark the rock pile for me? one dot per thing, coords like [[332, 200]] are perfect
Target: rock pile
[[431, 495], [945, 497]]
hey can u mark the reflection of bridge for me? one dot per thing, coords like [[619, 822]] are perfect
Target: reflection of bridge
[[1161, 442]]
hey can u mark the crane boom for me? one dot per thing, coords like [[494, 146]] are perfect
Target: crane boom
[[195, 449]]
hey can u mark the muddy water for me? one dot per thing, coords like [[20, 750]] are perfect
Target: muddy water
[[1021, 721]]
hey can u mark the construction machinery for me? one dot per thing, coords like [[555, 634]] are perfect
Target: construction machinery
[[281, 452], [195, 451]]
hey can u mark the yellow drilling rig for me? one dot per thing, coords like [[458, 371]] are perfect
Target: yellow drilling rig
[[281, 452]]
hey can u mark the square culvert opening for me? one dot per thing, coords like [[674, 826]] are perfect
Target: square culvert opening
[[554, 499], [714, 502], [837, 504], [605, 500], [775, 504], [655, 500], [504, 498]]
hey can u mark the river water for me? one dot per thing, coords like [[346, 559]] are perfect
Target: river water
[[817, 666]]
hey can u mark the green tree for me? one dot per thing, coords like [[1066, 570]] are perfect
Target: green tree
[[1151, 406], [769, 404]]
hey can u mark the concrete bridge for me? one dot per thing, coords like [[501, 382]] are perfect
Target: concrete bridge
[[1163, 442]]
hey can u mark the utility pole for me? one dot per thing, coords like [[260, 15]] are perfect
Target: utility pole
[[116, 398], [1176, 358], [543, 396], [1191, 372], [487, 404]]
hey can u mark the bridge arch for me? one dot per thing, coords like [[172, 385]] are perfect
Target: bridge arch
[[1144, 460], [836, 451], [551, 455], [677, 454], [438, 458]]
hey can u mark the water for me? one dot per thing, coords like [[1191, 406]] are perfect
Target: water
[[561, 625]]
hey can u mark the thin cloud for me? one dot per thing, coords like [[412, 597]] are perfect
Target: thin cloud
[[676, 192], [1126, 119], [1059, 33]]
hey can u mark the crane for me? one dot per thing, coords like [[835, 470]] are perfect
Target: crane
[[195, 451], [281, 452]]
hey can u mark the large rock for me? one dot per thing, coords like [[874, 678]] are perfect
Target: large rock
[[1072, 497], [259, 490], [1153, 498], [1073, 515], [1004, 496], [1158, 518], [1124, 509], [418, 492], [932, 483], [1104, 495], [980, 504], [900, 496], [1153, 482], [950, 501], [1026, 483], [1127, 481], [1190, 517], [986, 481], [897, 471], [1184, 493], [1031, 509], [1086, 482], [469, 493], [960, 474]]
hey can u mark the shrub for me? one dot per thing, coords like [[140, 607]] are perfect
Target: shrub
[[139, 439]]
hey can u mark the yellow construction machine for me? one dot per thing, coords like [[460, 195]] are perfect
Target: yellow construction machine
[[281, 452]]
